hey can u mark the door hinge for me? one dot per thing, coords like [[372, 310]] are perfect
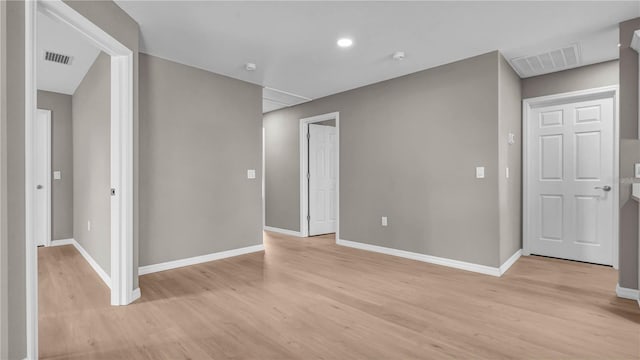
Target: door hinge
[[308, 135], [308, 217], [113, 192], [308, 175]]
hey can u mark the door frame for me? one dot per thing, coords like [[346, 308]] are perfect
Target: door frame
[[304, 164], [562, 98], [47, 186], [121, 284]]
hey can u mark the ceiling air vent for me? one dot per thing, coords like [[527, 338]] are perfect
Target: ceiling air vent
[[548, 62], [57, 58]]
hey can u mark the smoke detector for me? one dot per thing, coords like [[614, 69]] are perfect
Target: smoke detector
[[250, 67], [398, 55], [57, 58]]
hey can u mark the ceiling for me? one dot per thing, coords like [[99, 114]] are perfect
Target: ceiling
[[60, 38], [294, 47]]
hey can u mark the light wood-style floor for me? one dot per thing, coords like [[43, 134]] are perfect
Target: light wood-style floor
[[311, 299]]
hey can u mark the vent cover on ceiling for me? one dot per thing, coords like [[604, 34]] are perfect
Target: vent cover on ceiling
[[550, 61], [57, 58]]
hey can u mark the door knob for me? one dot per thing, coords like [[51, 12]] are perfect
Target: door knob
[[605, 188], [39, 187]]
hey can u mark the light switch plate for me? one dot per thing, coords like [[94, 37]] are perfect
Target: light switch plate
[[506, 173], [480, 172], [512, 139], [251, 174], [637, 171], [384, 221], [57, 175]]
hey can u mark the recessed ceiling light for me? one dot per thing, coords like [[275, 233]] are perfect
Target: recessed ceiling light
[[398, 55], [345, 42]]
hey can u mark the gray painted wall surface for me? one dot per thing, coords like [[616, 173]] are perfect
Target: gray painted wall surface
[[117, 23], [629, 154], [200, 132], [61, 160], [4, 258], [17, 315], [510, 198], [586, 77], [92, 162], [408, 150]]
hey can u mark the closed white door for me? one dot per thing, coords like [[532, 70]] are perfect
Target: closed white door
[[322, 179], [571, 178], [42, 180]]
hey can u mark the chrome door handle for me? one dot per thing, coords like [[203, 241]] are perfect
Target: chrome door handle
[[605, 188], [39, 187]]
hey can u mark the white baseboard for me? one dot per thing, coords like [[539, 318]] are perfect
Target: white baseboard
[[62, 242], [136, 294], [510, 261], [148, 269], [462, 265], [283, 231], [101, 273], [626, 293]]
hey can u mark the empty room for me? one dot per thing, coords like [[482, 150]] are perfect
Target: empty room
[[319, 179]]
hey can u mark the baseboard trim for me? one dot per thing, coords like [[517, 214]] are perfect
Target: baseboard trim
[[62, 242], [101, 273], [462, 265], [510, 261], [136, 294], [626, 293], [283, 231], [148, 269]]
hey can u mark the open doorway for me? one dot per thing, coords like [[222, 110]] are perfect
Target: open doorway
[[115, 265], [320, 175]]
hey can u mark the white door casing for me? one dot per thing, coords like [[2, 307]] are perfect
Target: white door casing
[[42, 178], [570, 161], [322, 179]]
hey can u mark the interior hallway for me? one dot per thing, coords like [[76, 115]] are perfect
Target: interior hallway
[[309, 298]]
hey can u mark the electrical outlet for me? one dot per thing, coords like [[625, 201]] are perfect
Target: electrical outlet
[[506, 173], [57, 175], [251, 174], [480, 172], [89, 225], [384, 221]]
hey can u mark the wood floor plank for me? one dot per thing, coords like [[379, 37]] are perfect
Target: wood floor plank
[[311, 299]]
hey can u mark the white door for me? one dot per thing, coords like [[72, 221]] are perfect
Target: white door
[[322, 179], [42, 173], [571, 178]]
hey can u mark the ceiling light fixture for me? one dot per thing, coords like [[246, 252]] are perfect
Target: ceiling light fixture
[[250, 67], [619, 45], [345, 42]]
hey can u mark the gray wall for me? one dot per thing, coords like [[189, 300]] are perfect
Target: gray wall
[[92, 162], [510, 198], [586, 77], [61, 160], [14, 151], [629, 154], [4, 278], [114, 21], [200, 132], [408, 150]]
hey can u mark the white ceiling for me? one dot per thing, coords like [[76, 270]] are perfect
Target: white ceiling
[[60, 38], [294, 43]]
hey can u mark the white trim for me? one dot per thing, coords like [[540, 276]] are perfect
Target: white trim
[[30, 116], [148, 269], [527, 105], [62, 242], [626, 293], [283, 231], [462, 265], [510, 261], [304, 151], [136, 294]]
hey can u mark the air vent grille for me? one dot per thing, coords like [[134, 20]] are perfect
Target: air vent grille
[[550, 61], [57, 58]]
